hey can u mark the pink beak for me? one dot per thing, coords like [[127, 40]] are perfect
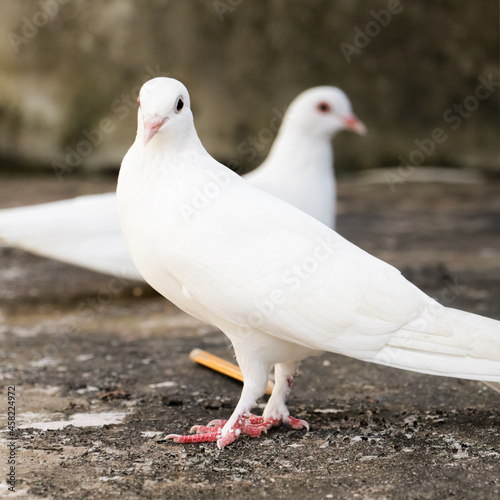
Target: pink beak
[[152, 124], [354, 124]]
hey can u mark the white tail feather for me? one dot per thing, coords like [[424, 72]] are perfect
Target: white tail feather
[[446, 342], [83, 231]]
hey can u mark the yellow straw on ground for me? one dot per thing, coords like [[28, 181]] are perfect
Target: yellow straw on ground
[[221, 365]]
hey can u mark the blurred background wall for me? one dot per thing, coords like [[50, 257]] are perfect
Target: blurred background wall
[[423, 76]]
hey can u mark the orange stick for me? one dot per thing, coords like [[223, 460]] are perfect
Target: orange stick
[[221, 365]]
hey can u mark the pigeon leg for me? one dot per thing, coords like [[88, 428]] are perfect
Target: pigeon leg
[[255, 374], [276, 410]]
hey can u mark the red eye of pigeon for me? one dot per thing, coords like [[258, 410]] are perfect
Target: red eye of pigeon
[[324, 107]]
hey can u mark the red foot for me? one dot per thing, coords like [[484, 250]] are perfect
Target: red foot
[[195, 438], [212, 432], [251, 425], [296, 423]]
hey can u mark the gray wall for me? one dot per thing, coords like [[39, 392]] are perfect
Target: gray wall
[[71, 69]]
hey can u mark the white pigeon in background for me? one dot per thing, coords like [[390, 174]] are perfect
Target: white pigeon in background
[[281, 285], [85, 231], [298, 168]]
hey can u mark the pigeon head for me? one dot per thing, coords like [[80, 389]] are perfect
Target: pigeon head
[[323, 111], [164, 106]]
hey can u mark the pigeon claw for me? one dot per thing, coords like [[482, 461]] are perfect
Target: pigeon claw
[[217, 423], [249, 425], [230, 437], [296, 423]]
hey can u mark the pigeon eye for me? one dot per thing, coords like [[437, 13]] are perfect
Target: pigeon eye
[[138, 102], [324, 107], [179, 105]]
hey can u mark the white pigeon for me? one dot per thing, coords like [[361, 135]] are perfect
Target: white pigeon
[[281, 285], [298, 168], [85, 231]]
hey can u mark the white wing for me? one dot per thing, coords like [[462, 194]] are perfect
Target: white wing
[[263, 263], [260, 264]]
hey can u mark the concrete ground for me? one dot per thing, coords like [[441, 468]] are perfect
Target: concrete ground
[[101, 373]]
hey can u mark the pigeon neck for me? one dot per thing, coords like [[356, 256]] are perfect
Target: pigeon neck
[[294, 148]]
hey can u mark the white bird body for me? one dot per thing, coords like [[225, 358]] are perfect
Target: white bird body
[[85, 231], [281, 285]]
